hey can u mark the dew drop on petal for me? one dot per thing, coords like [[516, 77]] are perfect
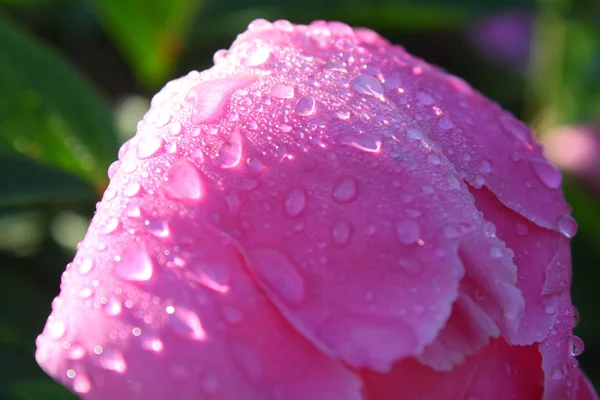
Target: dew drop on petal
[[149, 146], [183, 183], [424, 98], [112, 307], [255, 165], [341, 233], [113, 360], [567, 225], [345, 190], [295, 203], [134, 265], [56, 328], [132, 189], [305, 106], [210, 97], [408, 231], [547, 173], [157, 227], [445, 123], [81, 384], [577, 345], [75, 352], [414, 133], [279, 273], [368, 143], [368, 85], [257, 56], [86, 265], [230, 152], [187, 323], [282, 91]]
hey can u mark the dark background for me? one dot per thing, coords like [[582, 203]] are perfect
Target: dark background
[[77, 75]]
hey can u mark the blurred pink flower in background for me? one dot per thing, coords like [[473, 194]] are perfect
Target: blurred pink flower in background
[[322, 216], [504, 37], [576, 150]]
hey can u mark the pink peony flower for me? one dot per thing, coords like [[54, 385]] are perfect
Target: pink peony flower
[[322, 216]]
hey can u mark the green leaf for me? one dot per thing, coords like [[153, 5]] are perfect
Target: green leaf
[[150, 33], [26, 182], [49, 112], [36, 389]]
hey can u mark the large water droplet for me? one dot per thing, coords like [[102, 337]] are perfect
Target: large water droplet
[[282, 91], [134, 265], [445, 123], [295, 202], [424, 98], [113, 360], [257, 56], [86, 265], [75, 351], [345, 190], [186, 323], [209, 97], [279, 273], [341, 232], [366, 84], [112, 307], [56, 328], [548, 174], [305, 106], [255, 165], [414, 133], [132, 189], [368, 143], [577, 345], [157, 227], [81, 384], [149, 146], [183, 183], [230, 152], [408, 231], [567, 225]]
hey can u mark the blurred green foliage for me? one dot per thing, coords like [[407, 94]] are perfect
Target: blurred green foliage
[[76, 75]]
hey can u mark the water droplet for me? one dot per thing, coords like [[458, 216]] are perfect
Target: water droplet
[[295, 203], [134, 265], [133, 210], [198, 156], [153, 344], [56, 328], [234, 203], [368, 85], [112, 307], [414, 133], [86, 265], [186, 323], [424, 98], [175, 128], [342, 114], [279, 273], [496, 251], [408, 231], [257, 56], [305, 106], [157, 227], [485, 166], [433, 159], [282, 91], [183, 183], [81, 384], [110, 226], [113, 360], [567, 226], [345, 190], [255, 165], [577, 345], [230, 152], [210, 97], [368, 143], [132, 189], [75, 352], [445, 123], [550, 309], [341, 232], [515, 127], [548, 174], [149, 146], [113, 168]]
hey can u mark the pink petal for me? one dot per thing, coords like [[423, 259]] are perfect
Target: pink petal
[[496, 372], [195, 328], [543, 260]]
